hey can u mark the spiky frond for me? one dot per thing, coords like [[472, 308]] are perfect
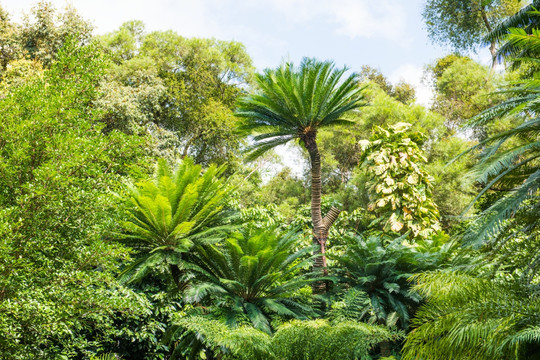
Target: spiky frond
[[380, 272], [171, 213], [293, 101], [255, 274], [522, 19], [473, 318], [509, 163]]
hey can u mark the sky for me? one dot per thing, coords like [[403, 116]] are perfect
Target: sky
[[388, 35]]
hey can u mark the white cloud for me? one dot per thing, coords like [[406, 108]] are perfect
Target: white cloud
[[352, 18], [358, 19], [413, 75]]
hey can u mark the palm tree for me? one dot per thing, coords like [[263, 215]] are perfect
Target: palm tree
[[252, 276], [494, 314], [526, 19], [295, 104], [170, 214]]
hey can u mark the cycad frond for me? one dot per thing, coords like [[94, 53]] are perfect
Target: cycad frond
[[257, 272], [468, 317], [509, 162], [293, 101], [378, 273], [171, 213]]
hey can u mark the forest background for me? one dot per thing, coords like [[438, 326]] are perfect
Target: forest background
[[122, 238]]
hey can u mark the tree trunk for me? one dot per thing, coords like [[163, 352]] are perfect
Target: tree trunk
[[492, 48], [320, 225]]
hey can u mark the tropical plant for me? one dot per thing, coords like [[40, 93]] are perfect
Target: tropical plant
[[170, 214], [463, 24], [494, 315], [253, 277], [467, 317], [195, 337], [400, 189], [294, 340], [295, 103], [378, 272], [525, 19], [59, 296], [509, 165], [107, 356], [321, 340]]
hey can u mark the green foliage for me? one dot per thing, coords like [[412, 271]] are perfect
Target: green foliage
[[474, 318], [376, 269], [197, 337], [402, 91], [400, 188], [494, 315], [293, 103], [341, 158], [462, 24], [9, 47], [452, 192], [170, 214], [509, 162], [58, 293], [306, 340], [180, 90], [464, 88], [107, 356], [321, 340], [131, 96], [525, 19], [252, 277], [44, 33]]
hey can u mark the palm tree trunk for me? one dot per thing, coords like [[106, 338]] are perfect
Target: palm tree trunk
[[320, 225]]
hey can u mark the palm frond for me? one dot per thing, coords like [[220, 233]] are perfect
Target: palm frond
[[293, 101]]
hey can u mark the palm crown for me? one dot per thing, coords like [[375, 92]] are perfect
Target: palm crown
[[295, 103]]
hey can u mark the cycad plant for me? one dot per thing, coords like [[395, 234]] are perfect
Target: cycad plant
[[295, 103], [171, 213], [510, 162], [495, 315], [526, 20], [253, 276], [380, 271], [467, 317]]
